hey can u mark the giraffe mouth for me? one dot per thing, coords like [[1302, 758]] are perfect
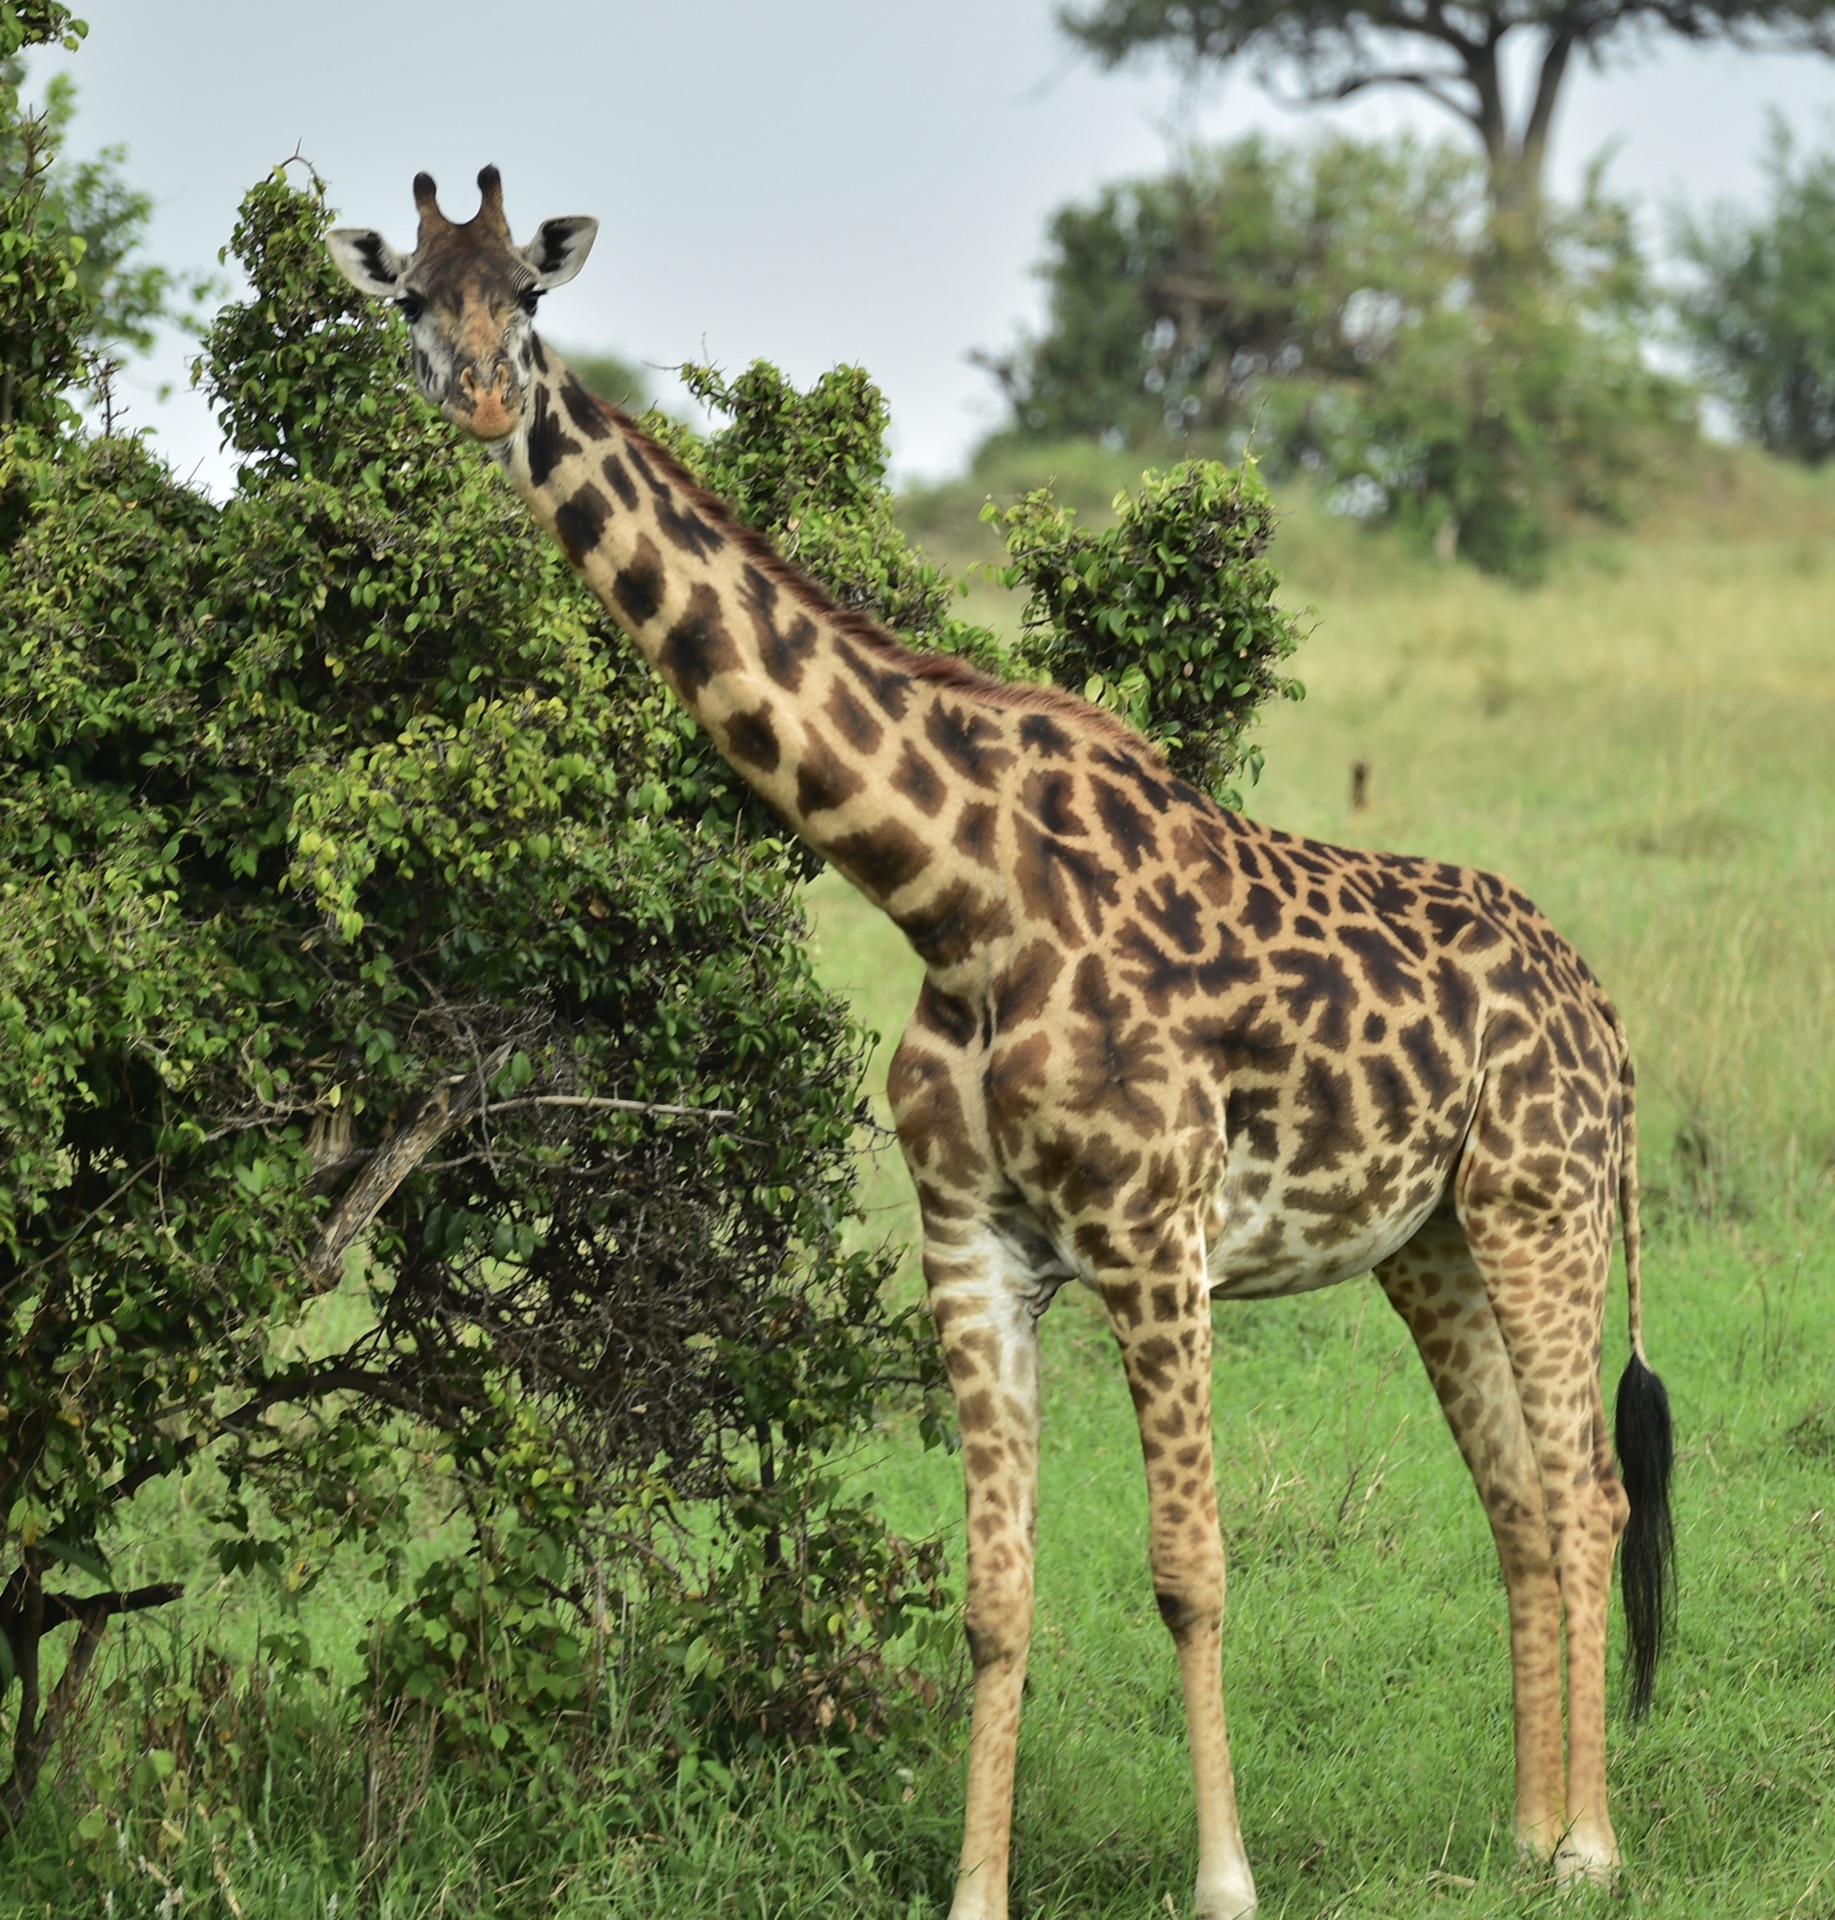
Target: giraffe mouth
[[487, 419]]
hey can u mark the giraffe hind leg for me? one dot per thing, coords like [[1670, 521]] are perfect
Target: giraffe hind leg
[[1434, 1284], [1544, 1268]]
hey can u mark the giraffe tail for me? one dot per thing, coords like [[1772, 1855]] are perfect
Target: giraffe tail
[[1646, 1452]]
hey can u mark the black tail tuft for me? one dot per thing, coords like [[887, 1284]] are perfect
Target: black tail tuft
[[1647, 1554]]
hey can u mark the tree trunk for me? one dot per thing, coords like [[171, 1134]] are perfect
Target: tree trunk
[[27, 1614]]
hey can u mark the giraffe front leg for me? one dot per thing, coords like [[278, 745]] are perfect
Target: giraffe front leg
[[986, 1304], [1163, 1328]]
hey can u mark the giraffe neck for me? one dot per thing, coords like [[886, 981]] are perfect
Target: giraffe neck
[[880, 759]]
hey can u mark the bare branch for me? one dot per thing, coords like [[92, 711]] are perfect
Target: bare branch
[[611, 1106], [32, 1743], [394, 1160], [1431, 84], [97, 1609], [287, 1390]]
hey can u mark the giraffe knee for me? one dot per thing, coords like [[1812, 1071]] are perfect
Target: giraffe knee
[[1182, 1613]]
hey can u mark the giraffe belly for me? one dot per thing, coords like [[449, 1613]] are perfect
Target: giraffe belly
[[1260, 1245]]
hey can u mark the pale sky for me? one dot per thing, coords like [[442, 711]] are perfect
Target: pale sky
[[807, 182]]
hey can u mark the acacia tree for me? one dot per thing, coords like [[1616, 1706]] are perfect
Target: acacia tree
[[1454, 52]]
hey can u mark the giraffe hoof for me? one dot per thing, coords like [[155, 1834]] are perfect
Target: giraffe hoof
[[1234, 1900], [1581, 1866], [1537, 1845]]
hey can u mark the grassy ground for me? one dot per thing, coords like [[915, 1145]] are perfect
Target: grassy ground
[[1644, 743]]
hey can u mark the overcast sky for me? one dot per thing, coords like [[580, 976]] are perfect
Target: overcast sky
[[810, 182]]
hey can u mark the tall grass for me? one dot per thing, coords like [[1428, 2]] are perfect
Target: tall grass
[[1644, 744], [1647, 745]]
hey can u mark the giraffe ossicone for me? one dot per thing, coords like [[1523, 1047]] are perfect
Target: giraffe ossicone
[[1161, 1049]]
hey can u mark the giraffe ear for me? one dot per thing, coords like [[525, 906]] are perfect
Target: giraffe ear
[[367, 261], [559, 249]]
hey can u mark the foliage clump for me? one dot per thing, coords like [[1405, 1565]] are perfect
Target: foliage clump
[[368, 938], [1168, 617], [44, 306], [1349, 309]]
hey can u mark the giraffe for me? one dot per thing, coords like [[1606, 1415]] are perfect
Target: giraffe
[[1160, 1049]]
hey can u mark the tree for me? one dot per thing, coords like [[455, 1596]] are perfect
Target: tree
[[71, 279], [1250, 277], [87, 200], [1761, 314], [1333, 303], [333, 832], [1457, 55], [44, 309]]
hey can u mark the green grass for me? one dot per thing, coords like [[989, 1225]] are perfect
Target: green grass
[[1645, 744]]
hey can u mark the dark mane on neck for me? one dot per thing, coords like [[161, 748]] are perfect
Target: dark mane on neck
[[936, 669]]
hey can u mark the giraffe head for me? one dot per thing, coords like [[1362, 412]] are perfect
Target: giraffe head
[[468, 294]]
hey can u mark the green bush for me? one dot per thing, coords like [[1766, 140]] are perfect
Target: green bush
[[330, 814], [1168, 617]]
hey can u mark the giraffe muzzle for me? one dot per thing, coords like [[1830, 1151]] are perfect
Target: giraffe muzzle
[[490, 411]]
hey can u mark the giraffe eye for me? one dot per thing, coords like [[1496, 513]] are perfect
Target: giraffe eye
[[412, 306], [530, 299]]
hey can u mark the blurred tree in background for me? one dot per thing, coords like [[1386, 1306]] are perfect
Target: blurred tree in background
[[1461, 54], [1338, 304], [1761, 310], [617, 381]]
